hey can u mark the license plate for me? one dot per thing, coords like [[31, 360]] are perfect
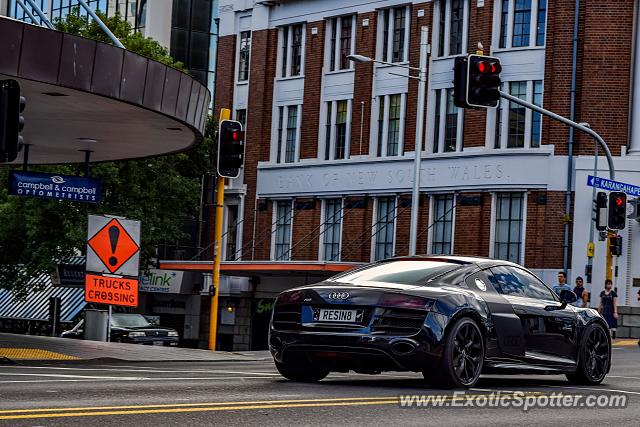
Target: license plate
[[336, 315]]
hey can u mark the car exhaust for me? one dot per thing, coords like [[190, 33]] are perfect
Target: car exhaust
[[403, 347]]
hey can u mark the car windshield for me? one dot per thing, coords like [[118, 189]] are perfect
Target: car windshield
[[399, 271], [129, 321]]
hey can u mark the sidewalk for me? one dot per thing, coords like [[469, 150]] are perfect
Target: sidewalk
[[29, 347]]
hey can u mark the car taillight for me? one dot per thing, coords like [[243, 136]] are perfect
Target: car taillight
[[294, 297], [405, 301]]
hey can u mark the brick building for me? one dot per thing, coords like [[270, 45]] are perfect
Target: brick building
[[331, 144]]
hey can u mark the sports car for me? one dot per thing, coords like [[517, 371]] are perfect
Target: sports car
[[451, 318]]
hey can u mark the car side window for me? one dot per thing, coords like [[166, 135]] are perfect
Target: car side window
[[518, 282], [533, 287], [507, 282]]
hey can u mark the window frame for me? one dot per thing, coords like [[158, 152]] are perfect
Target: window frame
[[238, 233], [510, 15], [274, 229], [245, 80], [385, 39], [374, 228], [333, 52], [440, 98], [493, 224], [379, 143], [284, 57], [278, 149], [504, 110], [322, 252], [327, 136], [433, 220], [443, 35]]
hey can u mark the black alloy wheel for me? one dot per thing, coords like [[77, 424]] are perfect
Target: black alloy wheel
[[594, 356], [462, 358]]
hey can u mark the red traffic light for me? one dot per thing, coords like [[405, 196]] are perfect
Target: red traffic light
[[619, 201], [483, 67]]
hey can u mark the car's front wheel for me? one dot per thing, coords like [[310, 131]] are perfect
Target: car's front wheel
[[301, 373], [462, 357], [593, 356]]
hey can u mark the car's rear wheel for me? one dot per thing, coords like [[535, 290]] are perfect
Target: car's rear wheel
[[301, 373], [462, 358], [593, 356]]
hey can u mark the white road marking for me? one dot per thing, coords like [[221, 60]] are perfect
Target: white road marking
[[619, 376], [14, 374], [89, 379], [188, 371], [601, 389]]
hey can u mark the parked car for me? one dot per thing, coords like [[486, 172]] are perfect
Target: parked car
[[131, 328], [451, 318]]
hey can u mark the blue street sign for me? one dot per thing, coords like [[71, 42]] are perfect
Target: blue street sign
[[607, 184], [52, 186]]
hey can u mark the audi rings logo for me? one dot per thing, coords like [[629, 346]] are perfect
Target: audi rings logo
[[338, 295]]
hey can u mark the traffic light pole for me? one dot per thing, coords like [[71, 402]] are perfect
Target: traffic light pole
[[580, 127], [225, 114]]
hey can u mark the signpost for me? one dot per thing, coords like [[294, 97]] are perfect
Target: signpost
[[113, 256], [52, 186], [607, 184]]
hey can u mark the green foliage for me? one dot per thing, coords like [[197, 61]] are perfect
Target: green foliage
[[161, 192], [78, 23]]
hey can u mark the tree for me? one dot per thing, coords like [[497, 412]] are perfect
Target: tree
[[162, 192]]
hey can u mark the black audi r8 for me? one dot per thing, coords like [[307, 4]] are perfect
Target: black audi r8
[[451, 318]]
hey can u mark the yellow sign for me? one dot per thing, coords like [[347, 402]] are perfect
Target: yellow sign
[[591, 249]]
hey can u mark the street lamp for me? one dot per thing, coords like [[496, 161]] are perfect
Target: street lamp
[[422, 81]]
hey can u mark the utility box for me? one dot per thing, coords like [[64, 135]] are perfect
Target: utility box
[[95, 325]]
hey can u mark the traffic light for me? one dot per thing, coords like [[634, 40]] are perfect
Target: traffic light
[[615, 245], [477, 81], [617, 210], [230, 148], [11, 121], [600, 209]]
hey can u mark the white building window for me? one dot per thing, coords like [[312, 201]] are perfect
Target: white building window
[[442, 224], [244, 56], [451, 24], [513, 125], [508, 227], [331, 230], [390, 130], [232, 233], [282, 222], [341, 42], [384, 228], [447, 123], [523, 23], [291, 41], [337, 130], [287, 135], [393, 34]]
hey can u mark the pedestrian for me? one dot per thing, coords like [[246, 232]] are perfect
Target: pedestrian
[[609, 306], [581, 293], [562, 283]]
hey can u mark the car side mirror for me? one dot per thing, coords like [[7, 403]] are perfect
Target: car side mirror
[[566, 297]]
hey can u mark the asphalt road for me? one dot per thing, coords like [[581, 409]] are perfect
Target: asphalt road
[[252, 393]]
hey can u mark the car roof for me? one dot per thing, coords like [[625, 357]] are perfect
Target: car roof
[[482, 262]]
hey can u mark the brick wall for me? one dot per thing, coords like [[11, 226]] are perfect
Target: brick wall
[[365, 45], [263, 64], [225, 76], [472, 228], [414, 61], [480, 28], [545, 229], [306, 229], [356, 237], [312, 87]]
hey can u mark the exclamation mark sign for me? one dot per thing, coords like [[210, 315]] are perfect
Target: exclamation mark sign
[[114, 234]]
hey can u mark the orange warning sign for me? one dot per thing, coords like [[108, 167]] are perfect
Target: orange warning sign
[[111, 290], [113, 245]]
